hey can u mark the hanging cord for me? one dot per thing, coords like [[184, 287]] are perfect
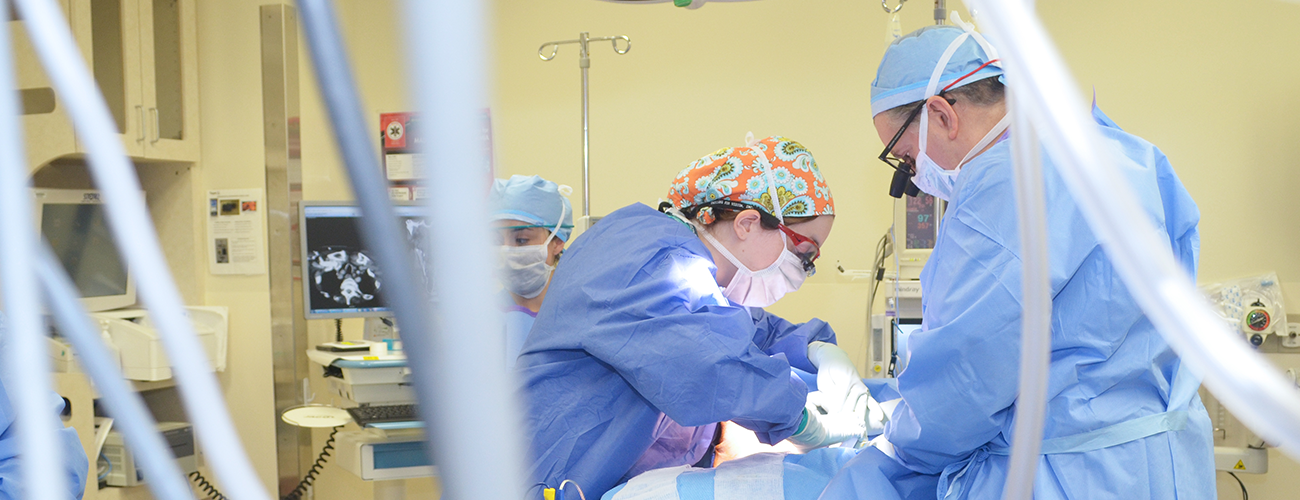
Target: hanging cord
[[338, 329], [1244, 494], [316, 468], [209, 490]]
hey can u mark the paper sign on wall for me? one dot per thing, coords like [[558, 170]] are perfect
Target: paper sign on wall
[[235, 241]]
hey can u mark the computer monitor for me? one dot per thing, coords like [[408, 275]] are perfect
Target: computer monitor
[[75, 224], [916, 229], [340, 276]]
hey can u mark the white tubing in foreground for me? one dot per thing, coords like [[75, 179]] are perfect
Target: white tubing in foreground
[[1036, 293], [134, 235], [1239, 377], [26, 359], [118, 397], [477, 440]]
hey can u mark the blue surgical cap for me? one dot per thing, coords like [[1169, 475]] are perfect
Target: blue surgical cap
[[533, 200], [905, 70]]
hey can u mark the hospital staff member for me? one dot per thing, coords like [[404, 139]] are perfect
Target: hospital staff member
[[1123, 417], [535, 219], [652, 331], [75, 464]]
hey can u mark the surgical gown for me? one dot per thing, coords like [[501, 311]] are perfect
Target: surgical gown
[[519, 321], [635, 356], [1112, 377]]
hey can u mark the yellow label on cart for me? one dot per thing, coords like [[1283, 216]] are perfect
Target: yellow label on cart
[[1241, 465]]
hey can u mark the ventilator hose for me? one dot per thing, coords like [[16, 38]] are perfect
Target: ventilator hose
[[209, 490], [316, 468]]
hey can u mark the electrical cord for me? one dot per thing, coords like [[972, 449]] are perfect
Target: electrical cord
[[109, 463], [1244, 494], [575, 485], [316, 468], [209, 490]]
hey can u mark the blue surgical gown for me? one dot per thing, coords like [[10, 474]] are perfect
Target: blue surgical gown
[[635, 356], [1109, 365], [75, 465]]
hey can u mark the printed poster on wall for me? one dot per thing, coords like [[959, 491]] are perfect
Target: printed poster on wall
[[235, 241]]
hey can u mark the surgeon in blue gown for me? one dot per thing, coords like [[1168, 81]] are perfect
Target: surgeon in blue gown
[[75, 464], [1124, 420], [643, 344], [534, 219]]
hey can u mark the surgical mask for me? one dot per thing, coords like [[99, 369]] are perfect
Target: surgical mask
[[764, 287], [930, 177], [523, 270]]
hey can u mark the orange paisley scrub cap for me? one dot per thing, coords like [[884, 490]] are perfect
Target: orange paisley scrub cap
[[775, 175]]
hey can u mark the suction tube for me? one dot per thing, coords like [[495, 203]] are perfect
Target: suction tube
[[1239, 377], [134, 235], [448, 43], [25, 357]]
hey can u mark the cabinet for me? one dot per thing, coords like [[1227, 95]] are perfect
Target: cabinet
[[144, 59]]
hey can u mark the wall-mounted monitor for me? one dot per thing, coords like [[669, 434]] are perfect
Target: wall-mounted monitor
[[341, 277], [75, 224]]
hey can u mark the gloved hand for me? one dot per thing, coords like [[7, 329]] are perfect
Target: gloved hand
[[822, 427], [838, 380]]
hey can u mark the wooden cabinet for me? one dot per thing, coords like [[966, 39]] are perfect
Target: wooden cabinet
[[144, 59]]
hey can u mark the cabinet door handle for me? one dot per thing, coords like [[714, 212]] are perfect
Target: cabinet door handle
[[140, 111], [156, 133]]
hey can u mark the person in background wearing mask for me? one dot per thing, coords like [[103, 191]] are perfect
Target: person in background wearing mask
[[534, 219], [1123, 416], [653, 331]]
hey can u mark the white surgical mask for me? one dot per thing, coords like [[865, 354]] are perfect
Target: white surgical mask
[[523, 270], [764, 287], [930, 177]]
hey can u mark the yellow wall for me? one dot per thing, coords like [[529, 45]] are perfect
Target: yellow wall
[[1210, 84]]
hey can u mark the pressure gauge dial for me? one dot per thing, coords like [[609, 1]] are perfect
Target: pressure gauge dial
[[1258, 320]]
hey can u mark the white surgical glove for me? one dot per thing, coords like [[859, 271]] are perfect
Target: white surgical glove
[[825, 427], [838, 380]]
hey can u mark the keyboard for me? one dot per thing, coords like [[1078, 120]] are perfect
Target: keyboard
[[367, 415]]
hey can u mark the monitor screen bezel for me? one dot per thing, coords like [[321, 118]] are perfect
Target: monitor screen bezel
[[52, 196], [381, 312]]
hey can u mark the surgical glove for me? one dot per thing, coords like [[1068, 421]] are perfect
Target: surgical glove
[[838, 380], [824, 428]]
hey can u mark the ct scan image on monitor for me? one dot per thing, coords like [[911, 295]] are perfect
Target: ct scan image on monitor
[[341, 277]]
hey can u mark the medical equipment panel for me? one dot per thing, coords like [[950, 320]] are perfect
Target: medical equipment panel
[[74, 223], [124, 469], [141, 348], [915, 232], [341, 278], [373, 454]]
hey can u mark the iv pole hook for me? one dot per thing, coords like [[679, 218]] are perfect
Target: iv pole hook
[[890, 10]]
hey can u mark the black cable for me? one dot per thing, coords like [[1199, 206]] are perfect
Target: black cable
[[1244, 494], [316, 468], [209, 490], [338, 329]]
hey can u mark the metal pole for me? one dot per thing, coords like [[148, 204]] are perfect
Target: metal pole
[[940, 11], [283, 165], [584, 62]]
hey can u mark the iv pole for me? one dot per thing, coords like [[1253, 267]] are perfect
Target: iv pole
[[584, 62]]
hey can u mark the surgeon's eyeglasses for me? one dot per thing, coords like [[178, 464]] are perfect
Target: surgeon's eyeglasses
[[801, 244], [906, 165]]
